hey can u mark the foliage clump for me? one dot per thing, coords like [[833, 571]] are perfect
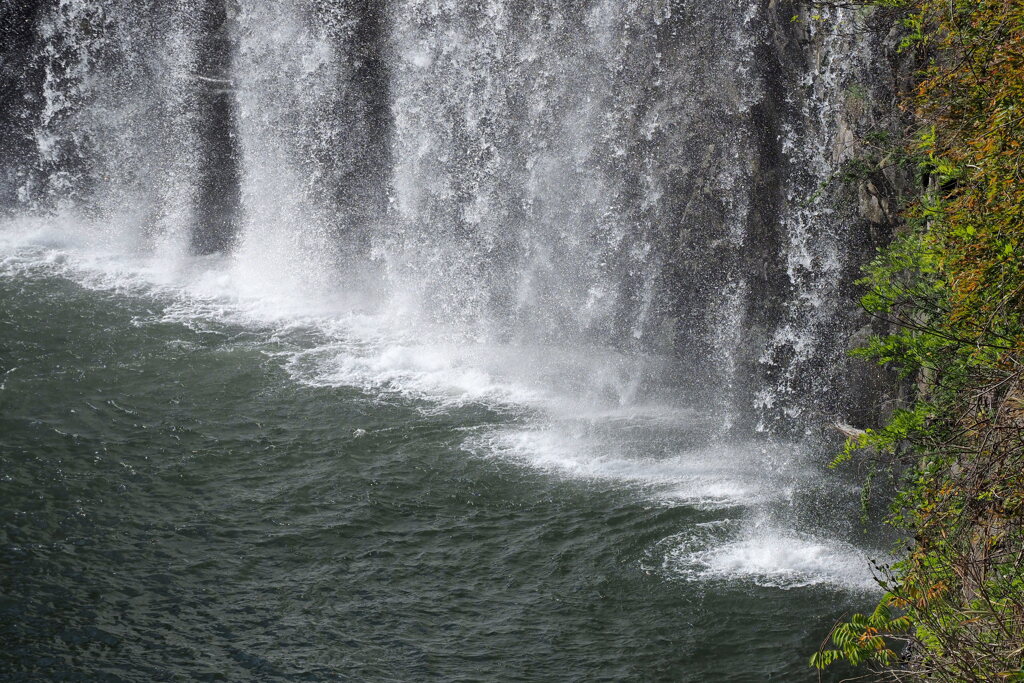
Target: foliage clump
[[952, 285]]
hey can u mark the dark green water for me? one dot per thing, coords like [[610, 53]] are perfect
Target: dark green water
[[175, 506]]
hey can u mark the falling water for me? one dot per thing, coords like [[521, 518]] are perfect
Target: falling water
[[630, 177]]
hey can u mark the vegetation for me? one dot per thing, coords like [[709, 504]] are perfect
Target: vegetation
[[952, 284]]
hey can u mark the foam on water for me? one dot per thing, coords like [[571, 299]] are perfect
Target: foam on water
[[358, 341], [763, 554], [636, 455], [444, 374], [572, 413]]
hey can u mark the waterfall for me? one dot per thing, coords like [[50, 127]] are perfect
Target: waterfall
[[636, 181], [116, 134]]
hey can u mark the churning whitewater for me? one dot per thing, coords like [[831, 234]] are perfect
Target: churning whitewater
[[568, 412], [555, 282]]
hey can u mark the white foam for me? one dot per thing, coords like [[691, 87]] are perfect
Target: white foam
[[575, 410], [710, 477], [364, 343], [766, 555], [441, 373]]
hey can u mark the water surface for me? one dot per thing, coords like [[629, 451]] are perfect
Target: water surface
[[185, 495]]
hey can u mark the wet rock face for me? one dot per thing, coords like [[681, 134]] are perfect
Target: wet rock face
[[21, 79], [837, 85], [219, 201], [359, 179]]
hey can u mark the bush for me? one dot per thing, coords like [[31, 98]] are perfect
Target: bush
[[952, 285]]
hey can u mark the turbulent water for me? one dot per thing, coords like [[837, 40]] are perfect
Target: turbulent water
[[424, 340]]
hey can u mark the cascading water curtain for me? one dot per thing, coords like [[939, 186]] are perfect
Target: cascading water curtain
[[620, 176]]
